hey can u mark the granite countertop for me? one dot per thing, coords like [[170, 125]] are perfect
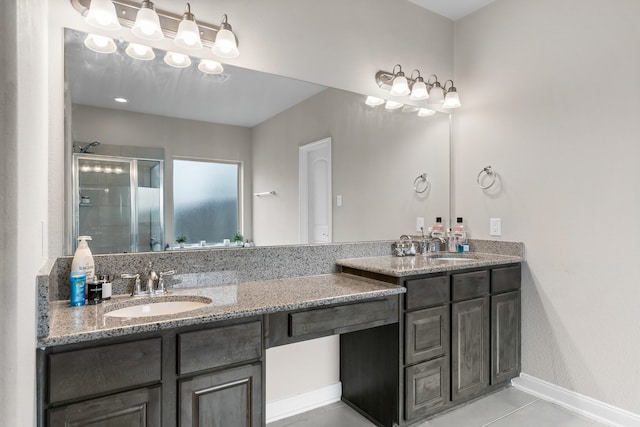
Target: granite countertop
[[431, 263], [78, 324]]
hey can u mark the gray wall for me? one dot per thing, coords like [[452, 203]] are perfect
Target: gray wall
[[551, 102]]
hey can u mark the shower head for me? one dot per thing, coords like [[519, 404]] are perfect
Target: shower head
[[85, 149]]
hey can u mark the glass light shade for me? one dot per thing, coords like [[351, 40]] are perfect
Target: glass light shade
[[436, 95], [452, 100], [209, 66], [140, 51], [393, 105], [373, 101], [100, 44], [147, 25], [400, 86], [225, 45], [409, 109], [188, 35], [426, 112], [177, 60], [419, 91], [102, 14]]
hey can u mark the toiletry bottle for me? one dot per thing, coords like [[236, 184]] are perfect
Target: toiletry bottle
[[459, 234], [78, 284], [106, 286], [438, 229], [82, 259], [452, 244]]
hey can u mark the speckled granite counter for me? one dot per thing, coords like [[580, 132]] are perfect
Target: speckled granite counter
[[77, 324], [422, 264]]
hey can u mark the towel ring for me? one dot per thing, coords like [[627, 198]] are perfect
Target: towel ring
[[488, 170], [421, 178]]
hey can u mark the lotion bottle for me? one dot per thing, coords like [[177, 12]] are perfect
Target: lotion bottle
[[82, 258]]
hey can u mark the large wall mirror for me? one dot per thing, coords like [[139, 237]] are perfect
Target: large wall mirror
[[306, 163]]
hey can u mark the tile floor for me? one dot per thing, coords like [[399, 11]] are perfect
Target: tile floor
[[506, 408]]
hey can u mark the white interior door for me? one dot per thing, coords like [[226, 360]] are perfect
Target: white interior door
[[315, 192]]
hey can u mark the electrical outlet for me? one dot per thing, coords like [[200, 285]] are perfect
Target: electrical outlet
[[495, 226], [419, 224], [339, 200]]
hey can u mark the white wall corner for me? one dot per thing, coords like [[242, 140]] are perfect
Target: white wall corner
[[290, 406], [576, 402]]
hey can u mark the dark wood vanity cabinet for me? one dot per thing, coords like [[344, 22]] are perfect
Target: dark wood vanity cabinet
[[459, 338], [200, 376]]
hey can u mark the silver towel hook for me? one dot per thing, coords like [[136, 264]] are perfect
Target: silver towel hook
[[421, 178], [488, 170]]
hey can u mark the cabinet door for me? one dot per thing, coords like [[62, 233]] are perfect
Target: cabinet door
[[426, 387], [505, 336], [223, 399], [469, 348], [136, 408], [426, 334]]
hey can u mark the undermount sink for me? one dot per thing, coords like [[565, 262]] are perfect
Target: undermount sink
[[150, 308], [453, 258]]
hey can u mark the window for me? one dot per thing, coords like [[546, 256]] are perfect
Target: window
[[205, 200]]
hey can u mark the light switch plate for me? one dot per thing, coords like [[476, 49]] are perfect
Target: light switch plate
[[339, 200], [495, 226], [419, 224]]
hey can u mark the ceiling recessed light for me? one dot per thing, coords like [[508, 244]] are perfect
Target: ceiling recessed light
[[121, 100]]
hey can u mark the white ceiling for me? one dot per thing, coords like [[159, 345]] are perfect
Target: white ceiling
[[452, 9], [238, 97]]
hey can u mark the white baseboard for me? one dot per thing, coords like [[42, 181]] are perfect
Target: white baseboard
[[576, 402], [284, 408]]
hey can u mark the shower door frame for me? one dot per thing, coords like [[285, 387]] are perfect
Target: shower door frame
[[133, 185]]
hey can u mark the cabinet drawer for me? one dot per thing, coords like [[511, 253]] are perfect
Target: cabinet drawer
[[427, 291], [99, 370], [426, 387], [217, 347], [335, 319], [426, 334], [505, 279], [469, 285]]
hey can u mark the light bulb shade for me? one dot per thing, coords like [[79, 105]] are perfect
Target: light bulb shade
[[409, 109], [102, 14], [140, 51], [225, 45], [436, 95], [400, 86], [452, 100], [393, 105], [373, 101], [419, 91], [426, 112], [100, 44], [188, 35], [147, 25], [209, 66], [178, 60]]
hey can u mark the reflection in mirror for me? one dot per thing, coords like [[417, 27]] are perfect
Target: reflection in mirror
[[258, 122]]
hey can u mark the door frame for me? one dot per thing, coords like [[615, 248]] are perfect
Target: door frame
[[303, 180]]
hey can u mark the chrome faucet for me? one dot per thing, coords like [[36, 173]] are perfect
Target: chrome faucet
[[434, 244], [137, 289], [161, 287], [152, 278]]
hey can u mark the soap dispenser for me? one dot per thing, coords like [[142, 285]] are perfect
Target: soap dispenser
[[83, 259]]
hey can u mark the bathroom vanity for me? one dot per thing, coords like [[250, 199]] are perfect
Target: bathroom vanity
[[453, 336]]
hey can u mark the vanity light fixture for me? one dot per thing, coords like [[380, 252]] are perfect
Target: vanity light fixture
[[209, 66], [188, 35], [400, 85], [417, 88], [426, 112], [374, 101], [177, 60], [121, 100], [140, 51], [225, 45], [102, 14], [147, 25], [409, 109], [451, 99], [100, 44]]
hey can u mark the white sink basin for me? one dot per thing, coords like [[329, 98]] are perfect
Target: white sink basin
[[160, 308]]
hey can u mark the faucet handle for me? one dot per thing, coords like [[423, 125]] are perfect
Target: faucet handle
[[137, 288], [161, 288]]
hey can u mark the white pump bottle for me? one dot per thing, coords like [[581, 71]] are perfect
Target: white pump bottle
[[82, 258]]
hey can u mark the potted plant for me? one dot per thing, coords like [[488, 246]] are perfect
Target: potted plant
[[181, 239], [237, 238]]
